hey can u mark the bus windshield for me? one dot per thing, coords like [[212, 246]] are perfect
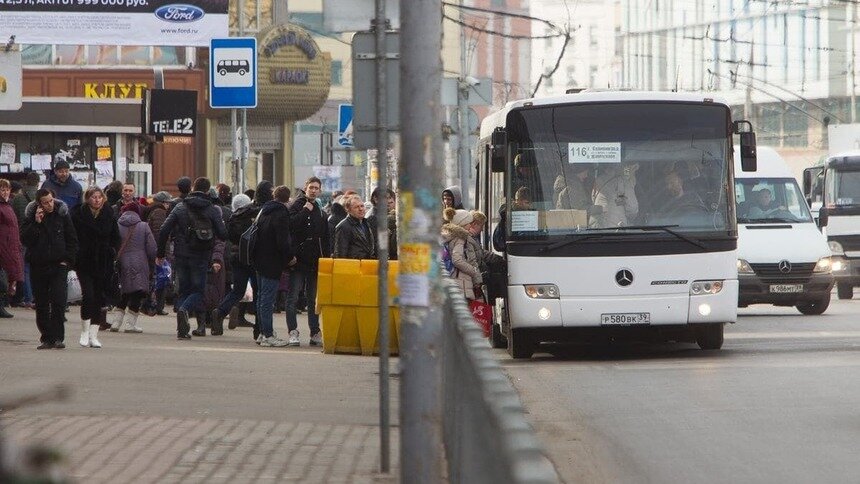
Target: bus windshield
[[592, 168]]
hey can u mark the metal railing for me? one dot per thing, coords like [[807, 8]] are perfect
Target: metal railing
[[486, 436]]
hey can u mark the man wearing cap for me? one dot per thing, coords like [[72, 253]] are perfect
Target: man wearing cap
[[64, 187]]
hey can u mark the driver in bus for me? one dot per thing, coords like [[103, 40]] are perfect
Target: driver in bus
[[678, 201], [764, 205]]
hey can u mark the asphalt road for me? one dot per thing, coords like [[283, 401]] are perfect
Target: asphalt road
[[779, 403]]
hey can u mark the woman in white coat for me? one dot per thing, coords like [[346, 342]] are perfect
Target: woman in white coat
[[465, 259]]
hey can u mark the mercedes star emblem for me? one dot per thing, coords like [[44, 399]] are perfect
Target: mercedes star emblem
[[784, 266], [624, 278]]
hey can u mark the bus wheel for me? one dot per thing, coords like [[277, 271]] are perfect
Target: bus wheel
[[814, 308], [845, 291], [520, 344], [709, 336]]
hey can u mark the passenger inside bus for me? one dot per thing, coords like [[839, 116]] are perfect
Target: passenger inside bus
[[615, 191], [574, 194]]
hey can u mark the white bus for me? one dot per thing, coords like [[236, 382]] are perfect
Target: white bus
[[615, 212]]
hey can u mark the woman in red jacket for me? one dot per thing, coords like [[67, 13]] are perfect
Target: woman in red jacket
[[11, 264]]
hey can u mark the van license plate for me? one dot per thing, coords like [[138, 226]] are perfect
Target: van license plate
[[786, 288], [625, 318]]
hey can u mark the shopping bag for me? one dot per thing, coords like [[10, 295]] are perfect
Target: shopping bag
[[483, 314], [249, 294], [73, 287]]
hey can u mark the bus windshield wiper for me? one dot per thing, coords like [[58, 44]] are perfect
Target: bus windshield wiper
[[569, 239], [667, 229]]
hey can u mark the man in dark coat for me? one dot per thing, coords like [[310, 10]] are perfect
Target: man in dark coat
[[52, 247], [192, 260], [273, 254], [354, 238], [65, 187], [310, 235]]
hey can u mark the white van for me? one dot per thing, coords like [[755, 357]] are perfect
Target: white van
[[783, 259]]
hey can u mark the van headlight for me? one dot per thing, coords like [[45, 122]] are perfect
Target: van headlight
[[542, 291], [699, 288], [836, 248], [823, 265], [744, 267]]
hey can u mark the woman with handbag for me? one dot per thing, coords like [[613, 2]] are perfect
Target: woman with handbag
[[136, 259], [465, 259], [99, 239]]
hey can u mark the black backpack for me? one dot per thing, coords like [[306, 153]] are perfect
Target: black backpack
[[247, 244], [201, 234]]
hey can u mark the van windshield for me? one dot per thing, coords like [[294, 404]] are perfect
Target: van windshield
[[770, 200]]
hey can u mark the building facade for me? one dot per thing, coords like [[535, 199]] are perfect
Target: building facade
[[785, 66], [589, 60]]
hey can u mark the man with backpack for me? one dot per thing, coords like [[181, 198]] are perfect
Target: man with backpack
[[272, 253], [193, 225], [244, 214]]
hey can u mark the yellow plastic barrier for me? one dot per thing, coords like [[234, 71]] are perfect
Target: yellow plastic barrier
[[347, 302]]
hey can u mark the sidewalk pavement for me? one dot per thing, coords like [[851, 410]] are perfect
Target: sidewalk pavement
[[150, 408]]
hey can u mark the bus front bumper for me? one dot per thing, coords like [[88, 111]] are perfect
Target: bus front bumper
[[598, 311]]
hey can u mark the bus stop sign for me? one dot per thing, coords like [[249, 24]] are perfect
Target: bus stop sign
[[233, 72]]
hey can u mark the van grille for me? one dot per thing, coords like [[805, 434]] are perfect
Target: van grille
[[770, 273]]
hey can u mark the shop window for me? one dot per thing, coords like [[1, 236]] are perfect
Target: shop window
[[336, 73], [71, 55], [103, 55], [135, 55], [36, 54]]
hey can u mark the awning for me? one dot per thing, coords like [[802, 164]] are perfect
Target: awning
[[70, 114]]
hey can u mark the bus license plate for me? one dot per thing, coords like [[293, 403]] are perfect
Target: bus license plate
[[625, 318], [786, 288]]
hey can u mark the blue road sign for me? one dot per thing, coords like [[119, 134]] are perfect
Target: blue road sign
[[344, 125], [233, 72]]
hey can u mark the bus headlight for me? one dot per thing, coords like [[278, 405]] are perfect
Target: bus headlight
[[744, 267], [836, 248], [542, 291], [705, 287], [823, 265]]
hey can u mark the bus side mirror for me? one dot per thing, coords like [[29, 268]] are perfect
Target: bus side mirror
[[498, 150], [823, 217], [748, 146]]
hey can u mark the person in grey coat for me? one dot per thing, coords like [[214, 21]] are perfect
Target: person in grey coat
[[136, 262]]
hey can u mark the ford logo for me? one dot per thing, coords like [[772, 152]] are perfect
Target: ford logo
[[179, 12]]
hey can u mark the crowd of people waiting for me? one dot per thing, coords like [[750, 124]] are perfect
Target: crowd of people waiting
[[131, 254]]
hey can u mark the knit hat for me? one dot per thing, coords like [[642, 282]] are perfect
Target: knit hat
[[458, 217], [161, 197], [130, 207], [61, 164], [241, 200]]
